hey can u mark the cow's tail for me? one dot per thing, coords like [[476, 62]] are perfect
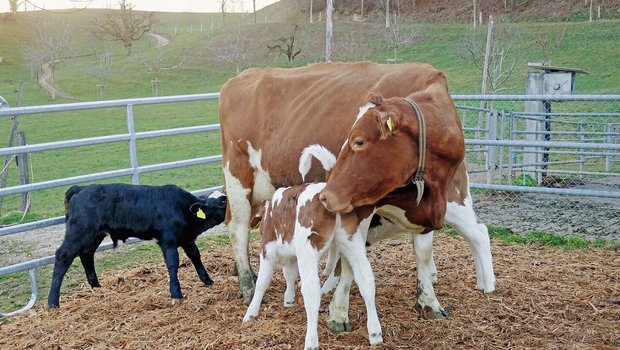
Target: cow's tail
[[322, 154], [70, 193]]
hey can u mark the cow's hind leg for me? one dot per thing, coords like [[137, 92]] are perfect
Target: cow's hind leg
[[191, 250], [87, 257], [265, 274], [338, 320], [427, 302], [464, 220], [238, 216]]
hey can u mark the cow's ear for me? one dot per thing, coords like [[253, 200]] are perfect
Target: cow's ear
[[375, 98], [388, 124]]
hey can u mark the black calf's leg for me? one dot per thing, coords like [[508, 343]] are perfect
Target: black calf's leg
[[64, 257], [171, 257], [87, 256], [194, 255]]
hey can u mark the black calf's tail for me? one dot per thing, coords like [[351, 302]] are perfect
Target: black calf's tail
[[70, 193]]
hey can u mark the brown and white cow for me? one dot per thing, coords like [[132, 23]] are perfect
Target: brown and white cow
[[268, 116], [296, 231]]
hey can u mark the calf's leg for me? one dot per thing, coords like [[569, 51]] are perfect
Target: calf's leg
[[87, 257], [289, 269], [191, 250], [308, 264], [355, 251], [64, 258], [265, 274], [338, 320], [171, 258]]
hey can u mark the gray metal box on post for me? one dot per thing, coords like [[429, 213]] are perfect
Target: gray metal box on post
[[551, 81]]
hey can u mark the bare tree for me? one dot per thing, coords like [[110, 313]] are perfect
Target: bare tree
[[397, 36], [285, 46], [101, 70], [13, 4], [548, 42], [126, 26], [231, 48], [51, 44], [502, 57], [223, 4], [156, 65]]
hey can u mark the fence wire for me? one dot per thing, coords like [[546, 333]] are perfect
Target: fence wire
[[546, 166]]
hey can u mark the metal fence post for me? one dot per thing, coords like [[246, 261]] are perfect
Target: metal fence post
[[491, 150], [581, 156], [133, 153], [608, 131]]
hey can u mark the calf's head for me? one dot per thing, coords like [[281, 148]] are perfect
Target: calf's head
[[212, 210]]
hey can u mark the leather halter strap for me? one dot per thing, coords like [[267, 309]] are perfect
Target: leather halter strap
[[418, 176]]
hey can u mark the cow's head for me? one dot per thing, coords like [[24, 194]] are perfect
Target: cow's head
[[382, 151]]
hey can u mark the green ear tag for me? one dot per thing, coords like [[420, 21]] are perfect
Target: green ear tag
[[201, 214], [390, 124]]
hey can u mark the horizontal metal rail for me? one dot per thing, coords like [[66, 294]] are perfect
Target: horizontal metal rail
[[64, 107], [106, 139]]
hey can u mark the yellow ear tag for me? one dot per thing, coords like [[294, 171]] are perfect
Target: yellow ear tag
[[201, 214], [390, 124]]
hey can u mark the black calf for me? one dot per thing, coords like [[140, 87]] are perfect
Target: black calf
[[169, 214]]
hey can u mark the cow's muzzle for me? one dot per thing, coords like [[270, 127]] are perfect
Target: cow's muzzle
[[330, 202]]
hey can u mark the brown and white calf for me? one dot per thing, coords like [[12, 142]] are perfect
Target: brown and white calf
[[297, 230]]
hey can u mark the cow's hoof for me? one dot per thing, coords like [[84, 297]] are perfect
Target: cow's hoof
[[177, 301], [339, 327], [428, 313], [53, 306], [289, 303], [208, 282], [248, 318]]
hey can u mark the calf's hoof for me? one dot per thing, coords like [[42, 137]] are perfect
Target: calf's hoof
[[339, 327], [53, 306], [428, 313], [208, 282], [248, 318], [375, 339], [176, 301], [289, 303]]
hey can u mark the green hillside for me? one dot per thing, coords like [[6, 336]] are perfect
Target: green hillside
[[198, 60]]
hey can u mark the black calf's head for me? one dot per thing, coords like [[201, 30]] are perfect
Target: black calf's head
[[210, 211]]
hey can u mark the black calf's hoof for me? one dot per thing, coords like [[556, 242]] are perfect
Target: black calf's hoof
[[208, 282]]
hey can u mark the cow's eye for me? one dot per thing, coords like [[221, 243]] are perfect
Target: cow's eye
[[358, 142]]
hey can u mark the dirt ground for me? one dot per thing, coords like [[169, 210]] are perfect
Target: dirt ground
[[546, 298]]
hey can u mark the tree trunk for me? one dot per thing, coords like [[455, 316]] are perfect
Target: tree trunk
[[387, 13], [328, 30], [12, 136]]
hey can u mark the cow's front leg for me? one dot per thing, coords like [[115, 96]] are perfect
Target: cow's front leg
[[427, 303], [338, 320], [171, 257], [238, 215]]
